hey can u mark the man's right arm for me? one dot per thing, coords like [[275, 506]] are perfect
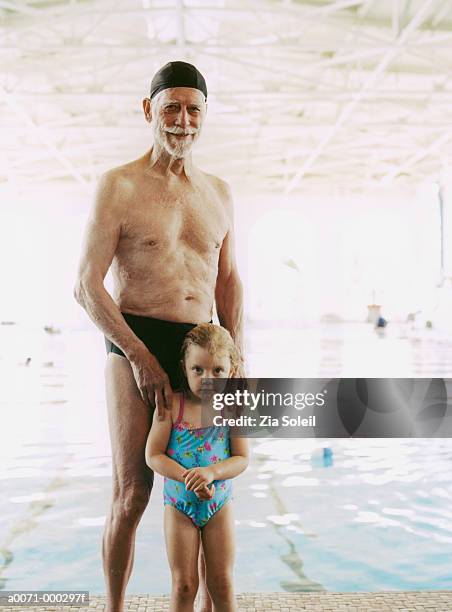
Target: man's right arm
[[99, 246]]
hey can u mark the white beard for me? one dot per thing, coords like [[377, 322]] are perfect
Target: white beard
[[176, 148]]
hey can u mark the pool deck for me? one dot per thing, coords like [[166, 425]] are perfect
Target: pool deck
[[393, 601]]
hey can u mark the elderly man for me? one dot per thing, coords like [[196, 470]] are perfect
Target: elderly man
[[166, 227]]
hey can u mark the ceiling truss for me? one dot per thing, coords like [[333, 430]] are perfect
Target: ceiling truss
[[346, 93]]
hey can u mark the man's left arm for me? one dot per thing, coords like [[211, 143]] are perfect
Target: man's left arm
[[229, 290]]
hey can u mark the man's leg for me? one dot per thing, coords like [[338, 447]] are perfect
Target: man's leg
[[203, 600], [129, 422]]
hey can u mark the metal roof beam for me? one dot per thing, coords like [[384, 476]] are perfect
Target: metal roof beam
[[42, 135], [369, 82], [422, 154]]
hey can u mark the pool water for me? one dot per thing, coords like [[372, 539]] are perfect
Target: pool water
[[366, 515]]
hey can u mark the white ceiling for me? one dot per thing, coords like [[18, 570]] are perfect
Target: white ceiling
[[301, 93]]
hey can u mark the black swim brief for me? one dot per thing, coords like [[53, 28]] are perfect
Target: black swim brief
[[164, 340]]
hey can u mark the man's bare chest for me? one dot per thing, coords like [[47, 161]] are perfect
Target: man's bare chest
[[174, 220]]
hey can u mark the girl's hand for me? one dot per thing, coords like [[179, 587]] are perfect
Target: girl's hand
[[205, 493], [197, 478]]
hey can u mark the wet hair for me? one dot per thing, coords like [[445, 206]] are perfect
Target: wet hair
[[214, 339]]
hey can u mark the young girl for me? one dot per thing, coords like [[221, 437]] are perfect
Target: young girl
[[198, 463]]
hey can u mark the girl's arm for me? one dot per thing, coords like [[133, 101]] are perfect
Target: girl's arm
[[228, 468], [156, 445], [236, 463]]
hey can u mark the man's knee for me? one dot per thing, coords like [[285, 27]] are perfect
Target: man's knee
[[130, 501]]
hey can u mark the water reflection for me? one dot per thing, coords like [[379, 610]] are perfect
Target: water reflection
[[311, 514]]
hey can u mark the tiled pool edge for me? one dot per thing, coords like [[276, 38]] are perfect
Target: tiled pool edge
[[385, 601]]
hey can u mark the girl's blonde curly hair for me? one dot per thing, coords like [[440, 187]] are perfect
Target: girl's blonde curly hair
[[214, 339]]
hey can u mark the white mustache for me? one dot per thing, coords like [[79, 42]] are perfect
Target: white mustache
[[180, 131]]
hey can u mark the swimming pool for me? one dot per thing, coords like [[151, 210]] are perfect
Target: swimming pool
[[371, 515]]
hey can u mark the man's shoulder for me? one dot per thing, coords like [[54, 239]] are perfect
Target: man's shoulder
[[115, 188], [221, 186], [120, 176]]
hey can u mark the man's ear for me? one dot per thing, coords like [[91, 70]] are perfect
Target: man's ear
[[147, 108]]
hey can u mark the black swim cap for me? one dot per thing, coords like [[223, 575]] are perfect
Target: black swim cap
[[178, 74]]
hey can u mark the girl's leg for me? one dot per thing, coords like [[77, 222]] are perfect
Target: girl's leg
[[219, 550], [182, 546]]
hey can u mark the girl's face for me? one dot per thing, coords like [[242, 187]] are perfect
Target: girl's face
[[200, 364]]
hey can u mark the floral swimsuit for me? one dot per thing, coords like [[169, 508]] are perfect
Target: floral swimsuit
[[197, 448]]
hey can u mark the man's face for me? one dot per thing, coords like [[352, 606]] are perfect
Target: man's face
[[177, 117]]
